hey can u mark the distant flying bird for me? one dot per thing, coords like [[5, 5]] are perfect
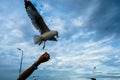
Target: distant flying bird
[[39, 24]]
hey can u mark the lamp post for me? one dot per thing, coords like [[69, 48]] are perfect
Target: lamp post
[[21, 60], [92, 78], [94, 70]]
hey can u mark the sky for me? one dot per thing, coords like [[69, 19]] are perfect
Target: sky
[[88, 30]]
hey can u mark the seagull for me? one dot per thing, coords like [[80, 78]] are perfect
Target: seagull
[[39, 24]]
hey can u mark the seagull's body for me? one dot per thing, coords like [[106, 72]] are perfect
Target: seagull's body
[[39, 24], [46, 36]]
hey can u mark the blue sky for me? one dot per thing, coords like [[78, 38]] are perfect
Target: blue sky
[[89, 33]]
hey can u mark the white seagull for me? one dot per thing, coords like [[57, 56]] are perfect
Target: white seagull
[[39, 24]]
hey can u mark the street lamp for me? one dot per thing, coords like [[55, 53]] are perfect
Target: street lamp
[[21, 60], [94, 70], [92, 78]]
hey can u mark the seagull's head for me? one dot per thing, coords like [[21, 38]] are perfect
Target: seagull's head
[[56, 34]]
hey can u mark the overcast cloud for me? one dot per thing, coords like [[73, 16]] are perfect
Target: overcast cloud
[[89, 36]]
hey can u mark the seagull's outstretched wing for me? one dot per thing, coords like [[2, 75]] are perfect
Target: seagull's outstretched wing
[[35, 17]]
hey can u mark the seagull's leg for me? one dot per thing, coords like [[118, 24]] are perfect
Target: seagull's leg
[[44, 44], [40, 42]]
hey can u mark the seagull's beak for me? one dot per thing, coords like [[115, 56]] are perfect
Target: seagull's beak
[[57, 36]]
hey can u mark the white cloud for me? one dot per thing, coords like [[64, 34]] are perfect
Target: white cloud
[[47, 7], [82, 35], [56, 24], [78, 22], [78, 58], [83, 19]]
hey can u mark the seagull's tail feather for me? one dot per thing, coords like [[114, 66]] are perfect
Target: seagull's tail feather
[[36, 39]]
